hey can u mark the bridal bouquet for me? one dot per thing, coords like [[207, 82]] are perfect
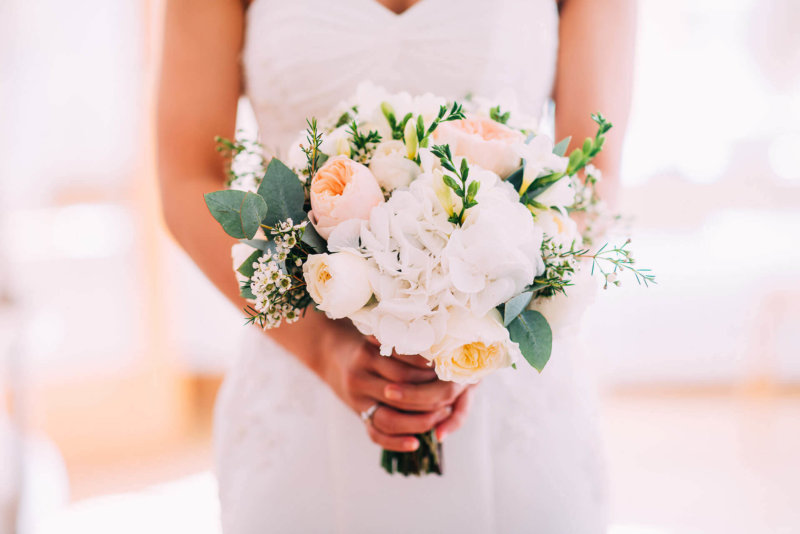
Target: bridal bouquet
[[434, 226]]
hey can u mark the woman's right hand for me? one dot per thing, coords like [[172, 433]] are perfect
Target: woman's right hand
[[411, 399]]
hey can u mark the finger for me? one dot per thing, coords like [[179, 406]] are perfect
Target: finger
[[373, 340], [393, 422], [395, 370], [392, 443], [426, 397], [454, 422], [413, 359]]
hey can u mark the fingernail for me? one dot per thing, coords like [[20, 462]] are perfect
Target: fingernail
[[393, 393], [412, 444], [440, 435]]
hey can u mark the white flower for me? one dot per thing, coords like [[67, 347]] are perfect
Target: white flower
[[594, 172], [473, 347], [559, 195], [497, 252], [336, 143], [391, 167], [539, 159], [559, 227], [338, 283]]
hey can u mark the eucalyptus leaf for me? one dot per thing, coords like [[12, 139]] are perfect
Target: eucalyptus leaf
[[246, 293], [283, 193], [515, 306], [240, 213], [260, 244], [531, 331], [246, 268], [561, 148], [312, 238]]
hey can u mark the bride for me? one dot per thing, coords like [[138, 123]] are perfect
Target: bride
[[521, 451]]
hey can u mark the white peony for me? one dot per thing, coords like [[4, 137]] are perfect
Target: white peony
[[391, 167], [473, 347], [338, 283]]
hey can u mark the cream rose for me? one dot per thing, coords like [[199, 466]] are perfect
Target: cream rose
[[472, 348], [342, 190], [391, 167], [338, 283], [483, 142]]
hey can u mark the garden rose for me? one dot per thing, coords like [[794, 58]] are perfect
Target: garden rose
[[341, 190], [338, 283], [484, 142], [473, 347]]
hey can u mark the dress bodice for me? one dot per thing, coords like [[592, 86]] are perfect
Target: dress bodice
[[302, 57]]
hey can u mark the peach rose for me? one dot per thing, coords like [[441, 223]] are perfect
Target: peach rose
[[483, 142], [341, 190]]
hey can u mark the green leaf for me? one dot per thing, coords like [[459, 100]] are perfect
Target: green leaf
[[312, 238], [240, 213], [515, 178], [260, 244], [283, 193], [246, 293], [246, 268], [561, 148], [515, 306], [531, 331]]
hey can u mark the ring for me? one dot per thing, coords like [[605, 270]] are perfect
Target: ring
[[367, 414]]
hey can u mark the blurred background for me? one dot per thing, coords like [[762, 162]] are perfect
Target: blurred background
[[112, 344]]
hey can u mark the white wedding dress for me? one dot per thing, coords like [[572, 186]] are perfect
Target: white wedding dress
[[291, 457]]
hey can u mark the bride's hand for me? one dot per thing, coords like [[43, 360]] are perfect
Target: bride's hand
[[411, 400]]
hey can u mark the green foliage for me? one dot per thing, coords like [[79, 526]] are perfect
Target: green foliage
[[315, 159], [397, 126], [532, 332], [346, 117], [561, 148], [239, 212], [312, 238], [466, 192], [456, 112], [498, 116], [246, 268], [362, 141], [283, 193], [578, 159], [514, 307]]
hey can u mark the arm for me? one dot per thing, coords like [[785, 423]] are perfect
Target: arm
[[198, 92], [595, 73], [199, 88]]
